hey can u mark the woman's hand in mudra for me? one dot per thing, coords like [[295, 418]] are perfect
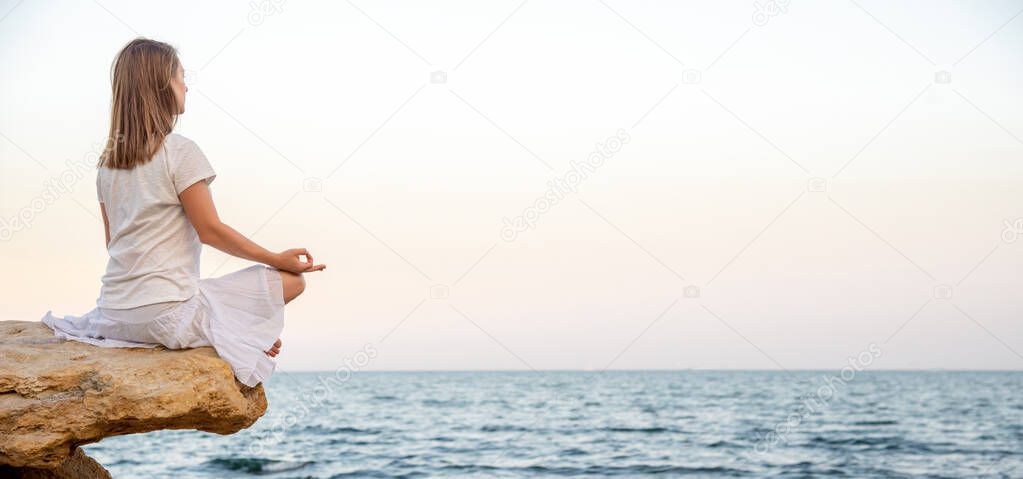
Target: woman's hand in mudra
[[291, 261]]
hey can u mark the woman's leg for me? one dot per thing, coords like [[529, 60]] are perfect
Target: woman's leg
[[293, 285]]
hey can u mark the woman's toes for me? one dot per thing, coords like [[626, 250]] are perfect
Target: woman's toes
[[275, 349]]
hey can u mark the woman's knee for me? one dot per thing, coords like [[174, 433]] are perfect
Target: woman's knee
[[294, 285]]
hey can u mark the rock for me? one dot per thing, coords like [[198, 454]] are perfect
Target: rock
[[56, 395], [78, 466]]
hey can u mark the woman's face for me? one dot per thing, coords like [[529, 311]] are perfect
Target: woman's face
[[179, 87]]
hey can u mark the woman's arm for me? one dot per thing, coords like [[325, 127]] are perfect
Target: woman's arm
[[202, 213], [106, 223]]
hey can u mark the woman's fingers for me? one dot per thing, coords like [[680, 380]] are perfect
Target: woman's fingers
[[299, 252], [308, 263], [294, 256]]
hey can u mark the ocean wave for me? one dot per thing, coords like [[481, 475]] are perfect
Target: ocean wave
[[445, 403], [256, 465], [643, 430], [722, 444], [595, 471], [503, 428], [337, 430], [884, 422], [376, 473], [882, 443]]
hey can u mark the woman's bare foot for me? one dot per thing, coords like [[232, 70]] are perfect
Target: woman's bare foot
[[275, 349]]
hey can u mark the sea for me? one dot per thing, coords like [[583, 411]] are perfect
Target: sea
[[687, 423]]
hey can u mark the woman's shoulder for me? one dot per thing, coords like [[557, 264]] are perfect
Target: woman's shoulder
[[180, 148], [183, 155], [177, 140]]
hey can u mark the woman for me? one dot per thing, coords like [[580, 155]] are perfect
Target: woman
[[153, 189]]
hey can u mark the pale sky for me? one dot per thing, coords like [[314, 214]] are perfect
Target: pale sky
[[729, 118]]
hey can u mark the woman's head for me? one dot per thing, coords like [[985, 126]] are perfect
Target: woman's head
[[148, 93]]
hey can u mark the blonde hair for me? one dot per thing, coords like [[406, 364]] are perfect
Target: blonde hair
[[143, 108]]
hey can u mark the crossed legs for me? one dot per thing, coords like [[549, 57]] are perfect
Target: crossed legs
[[293, 285]]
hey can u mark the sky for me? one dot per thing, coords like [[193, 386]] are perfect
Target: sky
[[563, 185]]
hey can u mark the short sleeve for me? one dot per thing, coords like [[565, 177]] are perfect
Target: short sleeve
[[190, 166], [99, 191]]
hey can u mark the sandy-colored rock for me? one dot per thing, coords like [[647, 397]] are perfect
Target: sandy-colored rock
[[78, 466], [56, 395]]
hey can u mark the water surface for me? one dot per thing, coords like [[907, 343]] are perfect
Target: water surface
[[602, 424]]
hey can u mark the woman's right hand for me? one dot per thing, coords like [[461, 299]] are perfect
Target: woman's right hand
[[291, 261]]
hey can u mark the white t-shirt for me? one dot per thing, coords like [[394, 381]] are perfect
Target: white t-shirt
[[154, 250]]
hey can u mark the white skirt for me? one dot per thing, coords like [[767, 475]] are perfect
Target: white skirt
[[240, 314]]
